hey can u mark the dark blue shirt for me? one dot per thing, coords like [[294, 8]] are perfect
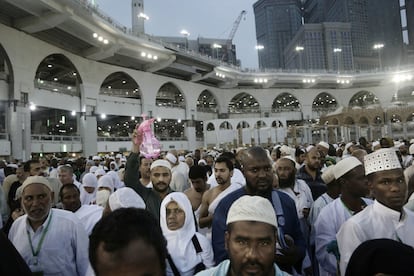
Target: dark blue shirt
[[317, 186], [219, 227]]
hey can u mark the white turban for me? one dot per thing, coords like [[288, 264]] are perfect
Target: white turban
[[252, 208], [125, 198]]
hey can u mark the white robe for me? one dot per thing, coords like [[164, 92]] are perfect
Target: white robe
[[374, 222], [89, 215], [327, 225]]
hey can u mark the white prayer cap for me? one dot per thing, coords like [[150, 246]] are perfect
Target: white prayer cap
[[12, 166], [96, 157], [328, 174], [286, 150], [106, 181], [347, 146], [252, 208], [411, 149], [289, 158], [171, 157], [125, 198], [397, 144], [374, 144], [36, 180], [412, 141], [89, 180], [345, 165], [100, 172], [381, 160], [308, 148], [202, 162], [93, 169], [118, 156], [181, 158], [160, 163], [324, 144]]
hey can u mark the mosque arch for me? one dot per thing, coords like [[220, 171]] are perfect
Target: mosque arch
[[335, 121], [243, 124], [243, 103], [324, 102], [349, 121], [120, 84], [396, 123], [6, 75], [377, 120], [405, 93], [277, 123], [57, 73], [286, 102], [260, 124], [363, 121], [225, 125], [210, 127], [170, 96], [363, 99], [410, 122], [206, 102]]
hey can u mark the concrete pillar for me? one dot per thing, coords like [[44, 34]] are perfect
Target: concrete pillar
[[190, 133], [18, 121], [88, 132]]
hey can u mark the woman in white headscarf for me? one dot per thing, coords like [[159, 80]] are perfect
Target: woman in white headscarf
[[88, 189], [105, 189], [189, 251]]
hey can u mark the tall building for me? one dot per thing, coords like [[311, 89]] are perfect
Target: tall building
[[409, 7], [384, 27], [276, 24], [326, 46], [138, 17]]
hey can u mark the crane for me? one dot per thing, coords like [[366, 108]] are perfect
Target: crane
[[231, 36]]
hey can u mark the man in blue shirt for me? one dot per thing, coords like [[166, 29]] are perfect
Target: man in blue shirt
[[257, 169]]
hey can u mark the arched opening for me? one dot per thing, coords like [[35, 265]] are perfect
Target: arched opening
[[396, 124], [285, 102], [364, 99], [225, 125], [170, 96], [120, 84], [277, 124], [324, 102], [410, 123], [206, 102], [114, 126], [243, 124], [169, 129], [260, 124], [363, 121], [243, 103], [6, 76], [210, 127], [56, 73]]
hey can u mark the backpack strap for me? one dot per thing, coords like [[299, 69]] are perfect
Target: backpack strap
[[196, 244], [172, 265], [277, 205]]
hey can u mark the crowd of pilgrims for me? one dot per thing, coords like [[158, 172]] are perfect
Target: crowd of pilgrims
[[330, 199]]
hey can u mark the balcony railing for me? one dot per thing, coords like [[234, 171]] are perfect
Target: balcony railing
[[57, 87], [55, 138]]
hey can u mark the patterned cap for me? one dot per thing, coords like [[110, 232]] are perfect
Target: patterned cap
[[381, 160]]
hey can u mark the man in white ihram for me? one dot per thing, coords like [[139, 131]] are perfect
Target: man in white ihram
[[51, 241]]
